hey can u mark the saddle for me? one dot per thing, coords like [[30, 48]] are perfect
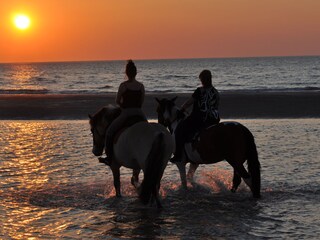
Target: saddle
[[195, 138], [129, 122]]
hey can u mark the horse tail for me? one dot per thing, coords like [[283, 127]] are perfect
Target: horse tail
[[253, 165], [153, 170]]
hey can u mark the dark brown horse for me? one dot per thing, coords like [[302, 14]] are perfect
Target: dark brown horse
[[230, 141]]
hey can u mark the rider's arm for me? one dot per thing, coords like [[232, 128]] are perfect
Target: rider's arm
[[143, 93], [119, 94], [217, 101]]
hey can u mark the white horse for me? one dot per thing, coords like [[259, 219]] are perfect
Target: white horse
[[146, 146]]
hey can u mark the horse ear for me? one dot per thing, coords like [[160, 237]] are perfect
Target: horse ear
[[157, 99], [90, 117], [174, 99]]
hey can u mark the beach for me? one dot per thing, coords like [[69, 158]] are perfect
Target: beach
[[234, 104]]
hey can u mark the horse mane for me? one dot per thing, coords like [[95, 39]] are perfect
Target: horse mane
[[165, 102], [105, 112], [170, 103]]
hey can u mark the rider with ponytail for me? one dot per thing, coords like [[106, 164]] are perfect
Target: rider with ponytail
[[130, 98]]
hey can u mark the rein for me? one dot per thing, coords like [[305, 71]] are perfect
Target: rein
[[101, 135], [170, 128]]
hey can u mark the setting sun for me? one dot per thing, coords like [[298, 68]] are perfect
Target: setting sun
[[22, 21]]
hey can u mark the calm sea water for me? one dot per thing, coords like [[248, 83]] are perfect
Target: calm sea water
[[273, 73], [52, 187]]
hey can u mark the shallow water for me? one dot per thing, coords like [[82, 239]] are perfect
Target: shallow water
[[53, 187]]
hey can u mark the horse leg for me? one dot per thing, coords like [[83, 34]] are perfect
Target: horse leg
[[182, 169], [116, 180], [193, 167], [236, 181], [157, 196], [245, 175], [135, 178], [242, 172]]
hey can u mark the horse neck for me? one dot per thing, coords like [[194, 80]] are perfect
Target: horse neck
[[176, 121], [104, 118]]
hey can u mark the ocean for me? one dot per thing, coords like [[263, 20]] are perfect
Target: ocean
[[52, 187], [181, 75]]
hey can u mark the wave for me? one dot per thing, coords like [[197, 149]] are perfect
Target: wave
[[293, 89], [38, 78], [183, 89], [299, 89], [165, 91], [173, 76], [24, 91], [189, 89], [312, 88], [106, 87]]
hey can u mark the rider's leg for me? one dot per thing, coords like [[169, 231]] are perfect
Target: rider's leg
[[108, 149], [111, 131], [181, 134], [115, 126], [179, 137]]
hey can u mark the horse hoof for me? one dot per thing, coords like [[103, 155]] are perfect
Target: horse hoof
[[184, 188], [118, 195]]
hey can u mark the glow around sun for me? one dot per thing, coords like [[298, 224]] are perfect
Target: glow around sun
[[22, 21]]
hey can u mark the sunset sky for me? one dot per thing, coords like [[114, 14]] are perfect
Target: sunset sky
[[80, 30]]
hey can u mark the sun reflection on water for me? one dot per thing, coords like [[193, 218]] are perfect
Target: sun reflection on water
[[29, 148], [31, 157], [52, 187], [23, 72], [24, 77]]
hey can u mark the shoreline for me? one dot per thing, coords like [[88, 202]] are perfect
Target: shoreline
[[235, 104]]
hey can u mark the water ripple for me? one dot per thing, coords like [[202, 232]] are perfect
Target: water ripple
[[52, 187]]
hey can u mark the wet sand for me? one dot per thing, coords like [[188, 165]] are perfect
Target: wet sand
[[243, 105]]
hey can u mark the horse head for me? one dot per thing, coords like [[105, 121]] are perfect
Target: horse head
[[99, 124], [167, 111]]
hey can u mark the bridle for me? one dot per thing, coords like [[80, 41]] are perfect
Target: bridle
[[169, 121], [95, 130]]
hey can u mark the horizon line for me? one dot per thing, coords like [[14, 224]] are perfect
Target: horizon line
[[155, 59]]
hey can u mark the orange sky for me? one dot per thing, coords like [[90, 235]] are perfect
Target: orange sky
[[77, 30]]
